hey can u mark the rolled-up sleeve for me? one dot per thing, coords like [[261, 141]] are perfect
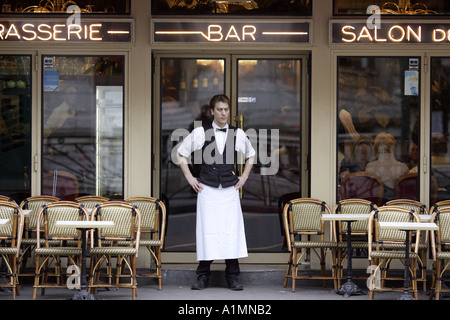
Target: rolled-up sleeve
[[194, 141], [243, 144]]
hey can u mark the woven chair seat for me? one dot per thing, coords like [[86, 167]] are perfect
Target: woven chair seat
[[354, 245], [113, 250], [401, 246], [145, 243], [62, 251], [392, 255], [8, 250], [150, 243], [31, 241], [443, 255], [313, 244]]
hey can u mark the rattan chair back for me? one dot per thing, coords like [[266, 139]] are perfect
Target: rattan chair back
[[91, 201], [60, 211], [34, 204]]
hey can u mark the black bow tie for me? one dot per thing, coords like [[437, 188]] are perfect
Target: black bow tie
[[223, 129]]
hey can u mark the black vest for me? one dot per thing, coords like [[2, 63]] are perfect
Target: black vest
[[217, 169]]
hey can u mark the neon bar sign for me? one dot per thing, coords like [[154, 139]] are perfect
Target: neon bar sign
[[230, 32], [39, 31], [391, 33]]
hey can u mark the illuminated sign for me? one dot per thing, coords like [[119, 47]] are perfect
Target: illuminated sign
[[52, 31], [231, 32], [391, 33]]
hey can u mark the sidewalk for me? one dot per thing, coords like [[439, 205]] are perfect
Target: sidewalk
[[261, 283]]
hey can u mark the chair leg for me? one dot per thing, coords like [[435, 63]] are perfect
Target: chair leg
[[438, 279], [36, 278], [288, 269], [334, 270], [373, 266], [294, 269], [133, 277], [414, 279], [338, 268], [323, 270], [158, 267]]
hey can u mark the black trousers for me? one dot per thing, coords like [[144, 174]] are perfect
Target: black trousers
[[231, 268]]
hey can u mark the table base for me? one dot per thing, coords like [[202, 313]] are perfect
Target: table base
[[406, 296], [83, 295], [349, 288]]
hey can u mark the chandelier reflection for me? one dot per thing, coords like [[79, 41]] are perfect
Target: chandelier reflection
[[405, 7], [55, 6]]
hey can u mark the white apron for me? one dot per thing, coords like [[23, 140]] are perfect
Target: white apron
[[220, 225]]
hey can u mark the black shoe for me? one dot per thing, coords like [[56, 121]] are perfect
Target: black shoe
[[234, 285], [202, 283]]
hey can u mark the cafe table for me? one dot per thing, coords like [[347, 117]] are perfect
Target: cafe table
[[82, 225], [348, 288], [407, 227]]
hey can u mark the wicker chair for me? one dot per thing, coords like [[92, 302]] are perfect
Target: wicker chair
[[64, 185], [359, 239], [29, 239], [91, 201], [407, 187], [440, 245], [303, 216], [419, 208], [363, 185], [127, 227], [385, 245], [11, 236], [154, 225], [440, 205], [6, 198], [49, 214]]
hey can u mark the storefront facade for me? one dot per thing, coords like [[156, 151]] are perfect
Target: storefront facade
[[308, 86]]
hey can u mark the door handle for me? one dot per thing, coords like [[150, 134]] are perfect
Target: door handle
[[239, 119]]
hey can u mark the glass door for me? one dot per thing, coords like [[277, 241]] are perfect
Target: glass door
[[268, 99], [269, 105], [440, 129]]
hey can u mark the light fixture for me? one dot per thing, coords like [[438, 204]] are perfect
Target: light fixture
[[55, 6], [405, 7]]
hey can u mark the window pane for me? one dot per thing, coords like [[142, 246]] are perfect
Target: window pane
[[59, 6], [378, 128], [405, 7], [440, 129], [15, 125], [250, 7], [82, 126]]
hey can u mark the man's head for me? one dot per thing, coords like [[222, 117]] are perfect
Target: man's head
[[219, 106]]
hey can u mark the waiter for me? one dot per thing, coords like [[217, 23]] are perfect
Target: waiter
[[220, 230]]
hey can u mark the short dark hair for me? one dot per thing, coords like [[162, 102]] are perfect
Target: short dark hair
[[219, 98]]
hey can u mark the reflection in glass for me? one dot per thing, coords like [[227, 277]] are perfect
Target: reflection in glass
[[249, 7], [399, 7], [61, 6], [82, 147], [15, 125], [187, 87], [269, 98], [440, 129], [378, 123]]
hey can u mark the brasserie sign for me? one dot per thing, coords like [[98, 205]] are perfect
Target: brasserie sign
[[401, 33], [61, 31]]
